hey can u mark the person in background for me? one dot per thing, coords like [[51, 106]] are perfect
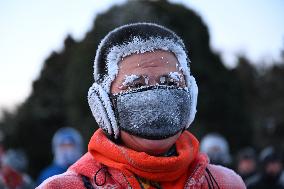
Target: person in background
[[12, 173], [2, 148], [143, 99], [217, 149], [67, 147], [246, 163], [270, 171]]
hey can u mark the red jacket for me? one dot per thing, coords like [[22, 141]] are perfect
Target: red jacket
[[108, 165]]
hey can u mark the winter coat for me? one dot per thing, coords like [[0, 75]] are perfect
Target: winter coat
[[263, 181], [108, 165], [16, 181], [51, 170]]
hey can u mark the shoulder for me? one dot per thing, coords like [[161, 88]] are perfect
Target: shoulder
[[226, 178], [253, 181], [86, 166], [50, 171], [65, 180]]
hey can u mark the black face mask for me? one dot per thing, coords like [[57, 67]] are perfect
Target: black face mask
[[153, 112]]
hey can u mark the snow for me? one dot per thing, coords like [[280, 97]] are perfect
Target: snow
[[101, 108], [116, 53], [162, 79], [129, 79], [138, 45], [154, 113], [146, 80], [175, 76], [193, 94]]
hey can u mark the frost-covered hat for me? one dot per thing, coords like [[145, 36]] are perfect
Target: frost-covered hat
[[269, 154], [124, 41], [217, 148]]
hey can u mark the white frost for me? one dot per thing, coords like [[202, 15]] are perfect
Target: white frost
[[162, 79], [101, 108], [129, 79], [136, 46], [115, 55], [175, 76]]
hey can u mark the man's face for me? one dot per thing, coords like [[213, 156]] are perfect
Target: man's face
[[150, 68]]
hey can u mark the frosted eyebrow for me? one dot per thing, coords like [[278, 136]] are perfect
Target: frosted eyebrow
[[130, 79], [163, 78], [175, 76], [172, 77]]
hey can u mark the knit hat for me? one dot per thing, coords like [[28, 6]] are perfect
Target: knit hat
[[217, 148], [246, 153], [124, 41], [269, 154]]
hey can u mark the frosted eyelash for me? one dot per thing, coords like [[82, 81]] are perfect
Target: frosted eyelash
[[175, 76], [129, 79]]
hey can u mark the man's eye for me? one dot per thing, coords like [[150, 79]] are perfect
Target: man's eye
[[132, 82], [172, 82], [165, 80], [135, 85]]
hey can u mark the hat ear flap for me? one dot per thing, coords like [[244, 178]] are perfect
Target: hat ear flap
[[102, 109], [193, 90]]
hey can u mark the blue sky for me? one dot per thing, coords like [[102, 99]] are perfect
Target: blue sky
[[30, 30]]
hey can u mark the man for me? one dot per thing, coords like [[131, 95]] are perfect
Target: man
[[143, 99], [217, 149], [13, 171], [246, 165]]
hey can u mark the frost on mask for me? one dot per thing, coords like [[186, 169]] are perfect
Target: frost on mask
[[154, 112]]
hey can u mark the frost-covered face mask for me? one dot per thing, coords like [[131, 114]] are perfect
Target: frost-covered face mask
[[66, 156], [153, 112]]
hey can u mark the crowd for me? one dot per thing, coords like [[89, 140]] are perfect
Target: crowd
[[259, 171], [67, 147]]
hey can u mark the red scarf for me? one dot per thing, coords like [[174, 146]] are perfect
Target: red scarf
[[168, 171]]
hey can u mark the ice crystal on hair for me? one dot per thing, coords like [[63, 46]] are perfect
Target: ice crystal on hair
[[137, 46], [162, 79], [146, 80], [129, 79], [175, 76]]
